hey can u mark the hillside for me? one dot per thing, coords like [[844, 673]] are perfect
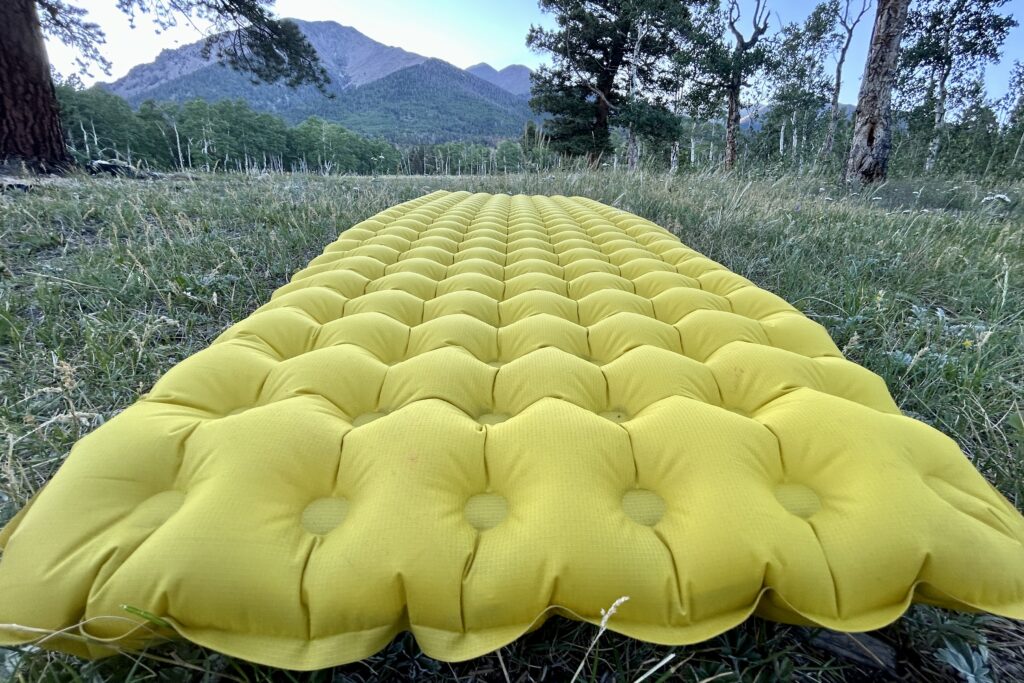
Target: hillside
[[514, 78], [377, 89], [432, 102]]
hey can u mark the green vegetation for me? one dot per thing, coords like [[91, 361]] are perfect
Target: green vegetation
[[425, 103], [106, 283], [229, 135]]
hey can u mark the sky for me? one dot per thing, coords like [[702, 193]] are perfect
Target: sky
[[462, 32]]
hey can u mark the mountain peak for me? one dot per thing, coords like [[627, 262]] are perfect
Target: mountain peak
[[379, 89], [514, 78]]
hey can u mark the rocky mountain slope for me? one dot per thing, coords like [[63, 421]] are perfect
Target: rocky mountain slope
[[377, 89]]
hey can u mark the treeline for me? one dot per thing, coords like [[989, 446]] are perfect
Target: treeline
[[229, 135], [708, 83], [982, 137]]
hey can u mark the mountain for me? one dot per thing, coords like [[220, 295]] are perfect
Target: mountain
[[351, 60], [514, 78], [378, 89], [432, 102]]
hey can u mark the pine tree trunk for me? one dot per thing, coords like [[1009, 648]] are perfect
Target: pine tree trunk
[[30, 130], [732, 127], [872, 138]]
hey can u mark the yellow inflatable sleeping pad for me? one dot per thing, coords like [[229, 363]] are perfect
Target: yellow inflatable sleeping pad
[[473, 411]]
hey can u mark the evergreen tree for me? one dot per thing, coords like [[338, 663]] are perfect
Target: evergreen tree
[[248, 39], [611, 65]]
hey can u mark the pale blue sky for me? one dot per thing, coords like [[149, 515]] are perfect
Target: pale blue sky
[[462, 32]]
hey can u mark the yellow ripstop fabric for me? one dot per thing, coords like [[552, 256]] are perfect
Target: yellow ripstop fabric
[[474, 411]]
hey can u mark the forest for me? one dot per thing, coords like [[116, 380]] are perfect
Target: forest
[[789, 118]]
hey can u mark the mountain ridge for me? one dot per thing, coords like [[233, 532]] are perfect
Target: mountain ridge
[[378, 89], [515, 78]]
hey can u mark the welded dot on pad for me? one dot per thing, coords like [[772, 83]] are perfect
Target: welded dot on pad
[[486, 510], [492, 418], [798, 499], [643, 506], [365, 418], [615, 415], [324, 514]]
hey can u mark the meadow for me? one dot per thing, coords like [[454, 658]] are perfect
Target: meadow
[[107, 283]]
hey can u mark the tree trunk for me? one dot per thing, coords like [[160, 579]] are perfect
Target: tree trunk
[[1016, 153], [837, 84], [782, 139], [632, 151], [872, 139], [732, 127], [940, 122], [599, 131], [30, 129], [793, 146], [673, 163]]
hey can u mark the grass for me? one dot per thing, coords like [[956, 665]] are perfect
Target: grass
[[105, 284]]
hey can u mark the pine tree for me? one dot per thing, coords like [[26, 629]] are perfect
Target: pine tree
[[611, 66], [248, 39]]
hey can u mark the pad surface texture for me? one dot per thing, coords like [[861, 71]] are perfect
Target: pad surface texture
[[473, 411]]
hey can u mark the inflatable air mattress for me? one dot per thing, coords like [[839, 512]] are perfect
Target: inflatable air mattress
[[474, 411]]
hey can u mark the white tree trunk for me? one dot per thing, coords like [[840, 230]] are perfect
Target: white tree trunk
[[673, 163], [632, 151], [1016, 153], [940, 121], [793, 147]]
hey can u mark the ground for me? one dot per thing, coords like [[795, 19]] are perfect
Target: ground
[[106, 283]]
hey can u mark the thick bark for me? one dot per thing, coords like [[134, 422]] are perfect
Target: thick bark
[[940, 121], [732, 126], [872, 138], [30, 131]]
